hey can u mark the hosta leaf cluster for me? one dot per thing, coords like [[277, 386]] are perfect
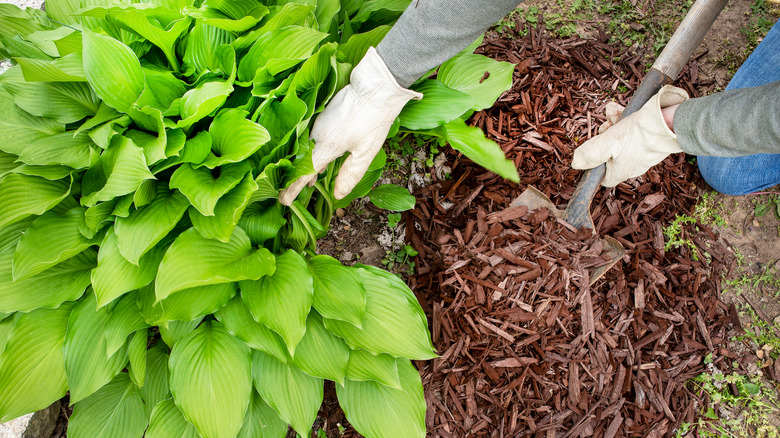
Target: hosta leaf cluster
[[146, 265]]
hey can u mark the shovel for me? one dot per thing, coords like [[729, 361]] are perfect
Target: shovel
[[665, 69]]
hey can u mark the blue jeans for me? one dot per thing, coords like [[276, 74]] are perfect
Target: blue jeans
[[751, 173]]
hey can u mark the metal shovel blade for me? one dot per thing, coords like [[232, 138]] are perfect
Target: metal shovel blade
[[613, 250]]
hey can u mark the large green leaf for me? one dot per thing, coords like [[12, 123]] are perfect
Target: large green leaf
[[338, 292], [122, 169], [279, 50], [114, 275], [211, 380], [282, 300], [472, 142], [114, 411], [187, 304], [32, 375], [439, 105], [204, 190], [175, 331], [320, 353], [65, 102], [214, 17], [124, 318], [381, 368], [293, 394], [69, 68], [202, 42], [392, 197], [145, 227], [239, 323], [66, 281], [85, 350], [480, 77], [165, 39], [155, 387], [112, 70], [379, 411], [202, 101], [51, 239], [234, 138], [227, 212], [262, 421], [168, 422], [193, 260], [136, 352], [262, 222], [23, 195], [356, 47], [76, 151], [393, 322]]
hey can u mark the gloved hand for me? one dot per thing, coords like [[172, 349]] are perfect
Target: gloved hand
[[357, 120], [632, 145]]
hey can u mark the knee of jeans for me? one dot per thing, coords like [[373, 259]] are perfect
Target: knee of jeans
[[721, 177]]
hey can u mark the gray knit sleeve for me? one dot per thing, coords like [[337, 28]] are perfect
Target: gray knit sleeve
[[430, 32], [733, 123]]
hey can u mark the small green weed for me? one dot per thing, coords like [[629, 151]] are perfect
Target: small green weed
[[707, 211], [742, 415], [769, 278], [393, 219], [766, 205], [401, 259]]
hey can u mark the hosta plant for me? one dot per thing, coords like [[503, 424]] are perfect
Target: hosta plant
[[146, 266]]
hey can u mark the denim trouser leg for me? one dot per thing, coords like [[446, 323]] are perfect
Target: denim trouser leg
[[751, 173]]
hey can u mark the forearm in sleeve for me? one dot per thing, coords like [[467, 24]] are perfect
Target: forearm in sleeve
[[430, 32], [732, 123]]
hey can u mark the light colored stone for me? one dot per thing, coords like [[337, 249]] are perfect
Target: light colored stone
[[15, 428], [40, 424], [37, 4]]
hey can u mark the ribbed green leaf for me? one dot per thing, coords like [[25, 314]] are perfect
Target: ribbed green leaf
[[380, 368], [187, 304], [282, 300], [472, 142], [202, 43], [32, 375], [213, 17], [114, 275], [467, 73], [175, 331], [262, 222], [168, 422], [293, 394], [112, 70], [65, 102], [145, 227], [51, 239], [85, 350], [227, 212], [356, 47], [136, 352], [155, 387], [7, 325], [165, 39], [320, 353], [193, 261], [378, 411], [63, 11], [394, 323], [23, 195], [239, 323], [124, 318], [115, 411], [262, 421], [211, 380], [202, 189], [69, 68], [279, 50], [78, 152], [123, 168], [66, 281], [234, 138], [392, 197], [439, 105], [202, 101], [338, 291]]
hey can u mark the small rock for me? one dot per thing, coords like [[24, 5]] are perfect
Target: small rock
[[340, 213], [346, 256]]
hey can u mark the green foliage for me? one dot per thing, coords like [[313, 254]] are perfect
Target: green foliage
[[770, 204], [706, 211], [146, 265], [746, 413]]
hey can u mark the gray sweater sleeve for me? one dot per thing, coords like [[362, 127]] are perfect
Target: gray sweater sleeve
[[430, 32], [732, 123]]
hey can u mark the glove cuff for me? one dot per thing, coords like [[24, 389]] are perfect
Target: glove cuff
[[667, 96], [372, 79]]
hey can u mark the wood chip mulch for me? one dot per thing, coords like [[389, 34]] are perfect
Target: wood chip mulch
[[527, 348]]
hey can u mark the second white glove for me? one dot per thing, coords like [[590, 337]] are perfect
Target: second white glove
[[357, 120], [635, 144]]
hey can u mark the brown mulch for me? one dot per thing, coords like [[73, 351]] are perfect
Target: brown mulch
[[527, 347]]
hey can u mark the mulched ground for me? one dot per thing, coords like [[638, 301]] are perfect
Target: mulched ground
[[527, 347]]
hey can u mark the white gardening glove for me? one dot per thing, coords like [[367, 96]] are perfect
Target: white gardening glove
[[632, 145], [357, 120]]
